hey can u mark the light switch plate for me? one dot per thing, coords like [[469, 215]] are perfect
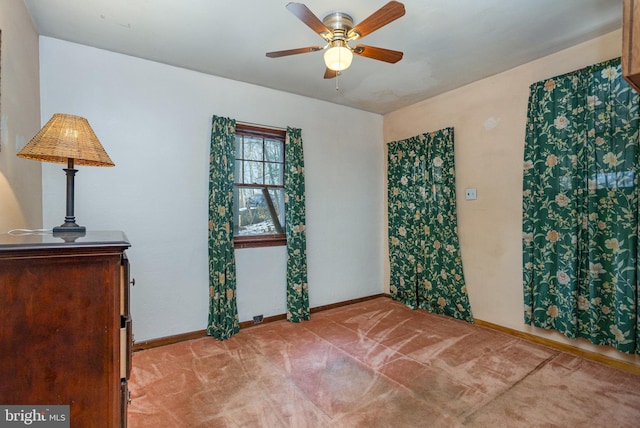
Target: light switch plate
[[470, 194]]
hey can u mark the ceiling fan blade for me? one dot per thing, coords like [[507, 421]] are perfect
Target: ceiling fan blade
[[386, 14], [287, 52], [330, 74], [381, 54], [303, 13]]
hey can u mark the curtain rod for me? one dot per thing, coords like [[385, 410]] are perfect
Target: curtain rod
[[260, 125]]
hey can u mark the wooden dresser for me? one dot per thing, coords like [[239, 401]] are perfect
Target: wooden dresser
[[65, 324], [631, 42]]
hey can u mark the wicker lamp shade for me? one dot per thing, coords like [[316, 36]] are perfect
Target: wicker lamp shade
[[65, 137], [69, 139]]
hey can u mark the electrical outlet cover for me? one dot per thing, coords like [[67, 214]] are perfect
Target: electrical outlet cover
[[470, 194]]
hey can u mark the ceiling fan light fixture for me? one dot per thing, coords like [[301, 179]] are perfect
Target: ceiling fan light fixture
[[338, 58]]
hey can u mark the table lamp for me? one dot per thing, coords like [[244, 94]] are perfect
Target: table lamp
[[67, 139]]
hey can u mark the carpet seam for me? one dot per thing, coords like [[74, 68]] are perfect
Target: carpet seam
[[536, 369]]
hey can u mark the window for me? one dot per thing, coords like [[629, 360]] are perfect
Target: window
[[259, 187]]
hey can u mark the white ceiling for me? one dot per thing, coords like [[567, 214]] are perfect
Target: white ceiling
[[446, 43]]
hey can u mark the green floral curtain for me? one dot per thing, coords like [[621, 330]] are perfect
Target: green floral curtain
[[580, 207], [223, 311], [297, 287], [424, 252]]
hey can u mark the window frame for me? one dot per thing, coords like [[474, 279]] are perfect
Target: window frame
[[270, 240]]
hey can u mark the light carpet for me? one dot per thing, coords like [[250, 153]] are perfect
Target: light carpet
[[376, 364]]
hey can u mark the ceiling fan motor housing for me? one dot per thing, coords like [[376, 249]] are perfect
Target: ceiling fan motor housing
[[340, 24]]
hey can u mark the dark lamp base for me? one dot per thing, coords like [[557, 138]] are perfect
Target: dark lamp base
[[69, 228]]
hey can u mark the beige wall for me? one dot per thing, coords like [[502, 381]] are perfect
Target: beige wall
[[20, 180], [489, 118]]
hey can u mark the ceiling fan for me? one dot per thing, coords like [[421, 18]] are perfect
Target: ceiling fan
[[338, 30]]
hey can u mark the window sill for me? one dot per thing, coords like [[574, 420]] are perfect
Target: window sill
[[240, 242]]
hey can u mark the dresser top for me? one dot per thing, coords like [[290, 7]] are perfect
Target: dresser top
[[37, 241]]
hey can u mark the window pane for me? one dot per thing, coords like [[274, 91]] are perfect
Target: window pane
[[252, 172], [253, 216], [277, 197], [273, 173], [238, 172], [252, 148], [238, 146], [273, 151]]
